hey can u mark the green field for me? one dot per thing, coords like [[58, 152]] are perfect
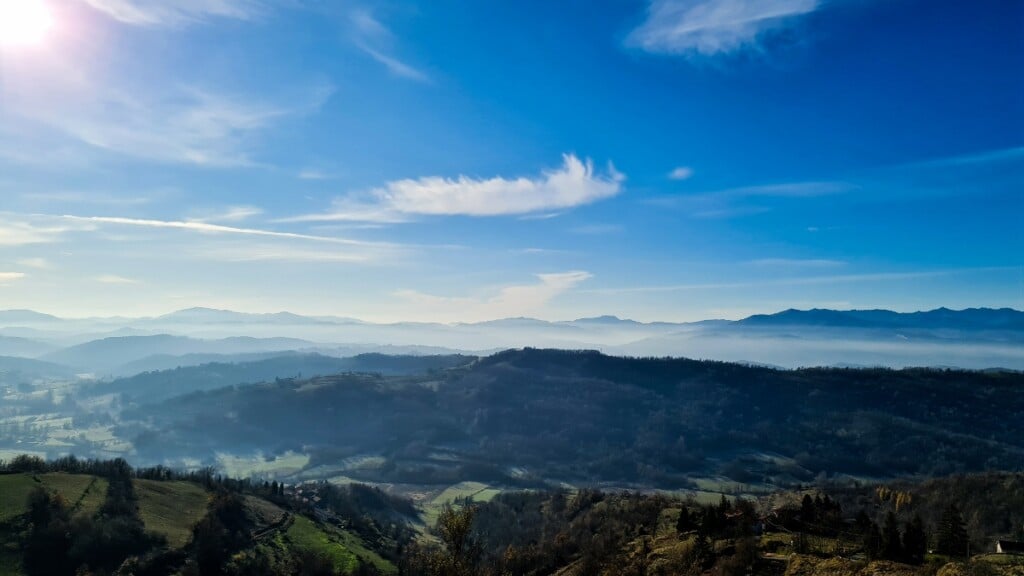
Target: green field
[[85, 493], [342, 548], [171, 508], [475, 491]]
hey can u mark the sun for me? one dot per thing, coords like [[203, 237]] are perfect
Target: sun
[[24, 22]]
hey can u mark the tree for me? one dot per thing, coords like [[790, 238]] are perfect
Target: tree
[[873, 542], [892, 548], [684, 523], [915, 541], [807, 510], [952, 534]]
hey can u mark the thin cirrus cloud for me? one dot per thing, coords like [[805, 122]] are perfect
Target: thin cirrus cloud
[[808, 280], [176, 12], [377, 41], [232, 214], [13, 233], [508, 301], [6, 277], [115, 279], [681, 173], [176, 123], [197, 127], [714, 27], [576, 183], [207, 227], [747, 200]]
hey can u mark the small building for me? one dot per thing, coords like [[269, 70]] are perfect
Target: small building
[[1009, 547]]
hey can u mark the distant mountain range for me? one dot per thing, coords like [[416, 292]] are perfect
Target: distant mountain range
[[970, 318], [971, 338], [940, 318]]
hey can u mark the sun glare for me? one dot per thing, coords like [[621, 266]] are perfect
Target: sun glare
[[24, 22]]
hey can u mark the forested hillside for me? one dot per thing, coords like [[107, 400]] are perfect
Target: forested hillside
[[534, 416]]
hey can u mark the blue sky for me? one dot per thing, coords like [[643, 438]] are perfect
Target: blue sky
[[461, 161]]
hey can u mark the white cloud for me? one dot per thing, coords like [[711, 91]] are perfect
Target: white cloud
[[710, 27], [395, 66], [373, 38], [10, 276], [232, 214], [37, 263], [509, 301], [311, 174], [681, 173], [63, 100], [194, 127], [23, 233], [114, 279], [250, 252], [807, 280], [737, 202], [209, 228], [175, 12], [596, 229], [574, 184], [796, 263]]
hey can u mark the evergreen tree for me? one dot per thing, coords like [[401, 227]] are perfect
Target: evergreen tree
[[807, 511], [873, 542], [892, 548], [915, 541], [952, 534], [684, 523]]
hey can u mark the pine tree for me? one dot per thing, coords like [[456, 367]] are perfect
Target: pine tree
[[873, 542], [915, 541], [892, 548], [807, 510], [952, 535], [684, 523]]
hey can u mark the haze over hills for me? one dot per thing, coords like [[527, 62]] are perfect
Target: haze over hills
[[974, 338]]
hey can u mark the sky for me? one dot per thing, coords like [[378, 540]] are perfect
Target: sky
[[461, 161]]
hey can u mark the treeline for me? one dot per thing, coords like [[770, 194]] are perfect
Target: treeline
[[593, 533], [59, 540], [59, 543]]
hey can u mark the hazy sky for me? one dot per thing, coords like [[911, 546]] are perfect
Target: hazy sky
[[452, 160]]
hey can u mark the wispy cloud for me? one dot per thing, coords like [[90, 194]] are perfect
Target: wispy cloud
[[209, 228], [232, 214], [176, 12], [785, 263], [311, 174], [37, 263], [395, 66], [746, 200], [574, 184], [68, 101], [94, 198], [6, 277], [263, 252], [14, 233], [115, 279], [681, 173], [711, 27], [191, 127], [596, 229], [805, 280], [509, 301], [376, 40], [984, 157]]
